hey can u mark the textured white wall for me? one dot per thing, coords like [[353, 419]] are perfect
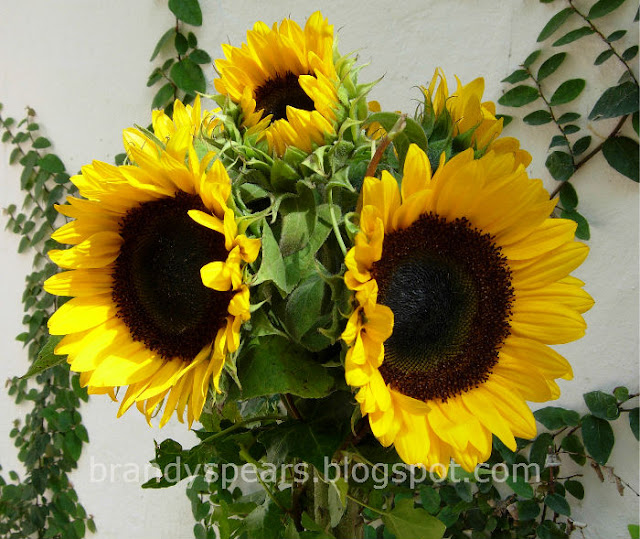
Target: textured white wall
[[83, 65]]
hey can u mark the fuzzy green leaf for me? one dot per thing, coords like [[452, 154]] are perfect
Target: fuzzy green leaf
[[188, 76], [166, 37], [630, 53], [598, 438], [519, 96], [272, 267], [46, 358], [528, 509], [581, 145], [558, 504], [200, 57], [574, 488], [560, 166], [517, 76], [276, 365], [574, 35], [187, 11], [430, 499], [616, 101], [41, 142], [568, 196], [538, 117], [622, 154], [531, 58], [550, 65], [567, 92], [602, 405], [614, 36], [602, 7], [181, 44], [163, 95], [407, 522], [554, 417], [554, 23], [51, 163], [582, 231]]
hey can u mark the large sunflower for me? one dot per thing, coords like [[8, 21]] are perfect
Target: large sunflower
[[285, 81], [155, 272], [461, 282]]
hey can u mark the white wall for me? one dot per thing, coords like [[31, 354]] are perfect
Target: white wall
[[83, 65]]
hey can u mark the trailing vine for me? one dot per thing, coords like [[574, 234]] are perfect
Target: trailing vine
[[619, 101], [42, 502]]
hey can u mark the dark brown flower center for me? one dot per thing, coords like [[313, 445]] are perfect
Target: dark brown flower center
[[449, 288], [157, 286], [276, 94]]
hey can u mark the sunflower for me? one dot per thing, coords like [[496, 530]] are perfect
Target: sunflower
[[285, 81], [155, 272], [469, 114], [461, 282]]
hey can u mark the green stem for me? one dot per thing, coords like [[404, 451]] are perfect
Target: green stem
[[380, 512], [334, 222], [241, 424]]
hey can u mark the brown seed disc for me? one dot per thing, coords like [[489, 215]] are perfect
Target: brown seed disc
[[449, 288], [276, 94]]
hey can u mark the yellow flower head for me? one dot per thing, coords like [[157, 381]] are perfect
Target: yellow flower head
[[469, 113], [155, 272], [461, 282], [285, 81]]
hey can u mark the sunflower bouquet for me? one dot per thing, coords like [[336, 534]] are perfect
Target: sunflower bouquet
[[320, 285]]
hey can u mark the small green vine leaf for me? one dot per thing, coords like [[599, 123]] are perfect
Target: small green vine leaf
[[550, 65], [519, 96], [187, 11], [603, 7], [560, 166], [574, 35], [554, 23], [622, 155], [616, 101], [567, 92]]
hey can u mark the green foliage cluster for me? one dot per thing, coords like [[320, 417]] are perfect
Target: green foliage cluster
[[619, 101], [42, 503], [529, 494]]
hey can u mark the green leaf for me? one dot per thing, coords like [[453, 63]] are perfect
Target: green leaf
[[517, 76], [621, 394], [554, 418], [188, 76], [277, 365], [166, 37], [519, 96], [412, 132], [430, 499], [187, 11], [602, 405], [634, 421], [574, 35], [616, 101], [163, 95], [582, 231], [574, 488], [603, 57], [568, 196], [540, 449], [581, 145], [506, 119], [558, 504], [560, 166], [41, 142], [558, 140], [520, 487], [181, 44], [304, 306], [598, 438], [272, 267], [567, 92], [407, 522], [570, 129], [46, 358], [539, 117], [528, 509], [531, 58], [622, 155], [550, 65], [51, 163], [298, 220], [602, 7], [630, 53], [635, 123], [614, 36], [554, 23], [568, 117], [550, 530], [634, 531], [200, 57]]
